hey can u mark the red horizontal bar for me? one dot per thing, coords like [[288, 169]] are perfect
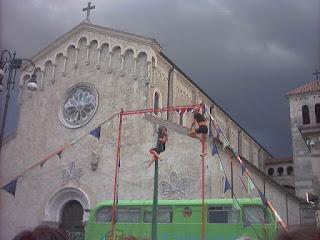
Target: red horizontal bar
[[165, 109]]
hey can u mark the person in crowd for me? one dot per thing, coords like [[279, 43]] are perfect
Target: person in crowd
[[42, 233]]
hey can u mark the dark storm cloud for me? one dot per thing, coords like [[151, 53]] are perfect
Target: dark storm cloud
[[247, 54]]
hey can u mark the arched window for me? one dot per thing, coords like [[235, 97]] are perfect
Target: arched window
[[290, 170], [305, 115], [157, 103], [280, 171], [270, 171], [317, 111], [153, 64]]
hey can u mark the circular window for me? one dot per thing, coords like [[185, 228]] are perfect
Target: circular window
[[79, 105]]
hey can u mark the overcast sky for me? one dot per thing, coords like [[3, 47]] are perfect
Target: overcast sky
[[246, 54]]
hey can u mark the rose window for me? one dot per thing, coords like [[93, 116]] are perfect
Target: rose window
[[80, 104]]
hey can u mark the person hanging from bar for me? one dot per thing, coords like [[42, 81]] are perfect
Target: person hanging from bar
[[201, 132], [161, 146]]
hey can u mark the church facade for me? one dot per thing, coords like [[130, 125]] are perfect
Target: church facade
[[85, 77]]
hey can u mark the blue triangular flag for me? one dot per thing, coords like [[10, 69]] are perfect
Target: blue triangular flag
[[263, 198], [219, 131], [214, 150], [235, 153], [227, 186], [243, 168], [11, 187], [96, 132]]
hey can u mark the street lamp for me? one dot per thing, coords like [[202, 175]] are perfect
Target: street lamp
[[10, 64]]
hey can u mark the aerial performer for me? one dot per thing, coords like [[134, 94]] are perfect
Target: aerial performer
[[201, 132], [161, 146]]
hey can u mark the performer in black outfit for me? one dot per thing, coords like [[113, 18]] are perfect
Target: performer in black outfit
[[202, 127], [161, 146]]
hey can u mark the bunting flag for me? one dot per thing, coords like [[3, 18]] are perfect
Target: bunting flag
[[96, 132], [243, 185], [243, 168], [183, 111], [263, 198], [227, 185], [189, 110], [235, 203], [251, 186], [235, 153], [59, 155], [225, 143], [219, 131], [219, 166], [43, 162], [214, 149], [11, 187]]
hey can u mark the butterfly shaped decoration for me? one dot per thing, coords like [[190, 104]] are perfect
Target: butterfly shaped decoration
[[176, 187]]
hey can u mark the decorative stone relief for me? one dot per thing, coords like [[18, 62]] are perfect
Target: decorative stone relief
[[94, 161], [160, 76], [176, 187], [71, 174], [182, 92]]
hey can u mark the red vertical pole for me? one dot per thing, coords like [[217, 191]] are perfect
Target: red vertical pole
[[203, 154], [116, 177]]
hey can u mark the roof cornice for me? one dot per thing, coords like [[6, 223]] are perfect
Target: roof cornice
[[85, 26]]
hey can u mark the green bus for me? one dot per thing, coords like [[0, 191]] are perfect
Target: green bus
[[181, 220]]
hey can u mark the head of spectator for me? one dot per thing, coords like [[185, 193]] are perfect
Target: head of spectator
[[42, 233], [303, 233]]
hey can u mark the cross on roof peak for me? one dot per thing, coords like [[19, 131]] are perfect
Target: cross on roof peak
[[316, 73], [88, 9]]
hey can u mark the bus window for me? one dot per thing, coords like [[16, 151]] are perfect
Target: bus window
[[104, 214], [254, 215], [223, 214], [164, 215], [128, 214]]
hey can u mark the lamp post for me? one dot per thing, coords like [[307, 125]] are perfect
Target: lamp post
[[9, 65]]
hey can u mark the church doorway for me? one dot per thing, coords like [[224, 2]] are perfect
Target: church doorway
[[71, 220]]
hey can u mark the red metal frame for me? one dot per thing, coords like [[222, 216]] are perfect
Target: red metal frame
[[143, 111]]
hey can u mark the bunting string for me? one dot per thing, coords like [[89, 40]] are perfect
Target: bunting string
[[11, 186], [226, 143], [227, 187]]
